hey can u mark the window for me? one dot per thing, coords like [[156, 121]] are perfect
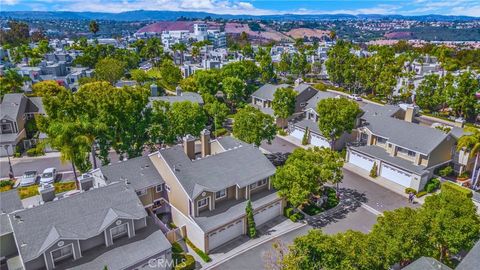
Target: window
[[159, 188], [167, 187], [411, 153], [381, 140], [141, 192], [202, 203], [221, 194], [258, 184], [119, 230], [62, 253]]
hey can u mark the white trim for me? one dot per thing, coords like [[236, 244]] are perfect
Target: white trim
[[201, 200], [110, 231], [189, 218], [106, 238], [161, 188]]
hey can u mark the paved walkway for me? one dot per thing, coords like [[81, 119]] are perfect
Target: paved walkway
[[27, 158], [267, 233]]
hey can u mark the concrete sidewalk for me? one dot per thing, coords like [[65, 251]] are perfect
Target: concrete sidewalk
[[267, 233], [27, 158]]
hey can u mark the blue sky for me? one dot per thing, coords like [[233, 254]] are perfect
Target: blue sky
[[257, 7]]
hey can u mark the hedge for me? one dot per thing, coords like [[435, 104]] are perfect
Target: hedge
[[449, 186], [177, 248], [188, 262], [200, 253], [408, 190], [297, 216], [432, 185], [421, 194]]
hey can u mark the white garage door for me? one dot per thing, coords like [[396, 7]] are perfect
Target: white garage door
[[268, 213], [361, 161], [396, 175], [297, 133], [319, 141], [225, 234]]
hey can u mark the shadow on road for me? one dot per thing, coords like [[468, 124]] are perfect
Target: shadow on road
[[350, 200]]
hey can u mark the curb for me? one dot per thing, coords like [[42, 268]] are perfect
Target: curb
[[219, 262]]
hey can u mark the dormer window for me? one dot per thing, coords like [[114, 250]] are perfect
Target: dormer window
[[202, 203]]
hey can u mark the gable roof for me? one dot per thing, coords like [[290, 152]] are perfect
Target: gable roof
[[427, 263], [139, 172], [312, 102], [185, 96], [267, 91], [241, 164], [12, 106], [80, 216], [412, 136], [9, 202]]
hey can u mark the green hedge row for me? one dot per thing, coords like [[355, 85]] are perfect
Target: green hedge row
[[200, 253], [449, 186]]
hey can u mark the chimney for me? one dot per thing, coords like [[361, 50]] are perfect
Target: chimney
[[189, 146], [153, 90], [205, 139], [86, 181], [178, 91], [409, 114], [47, 192]]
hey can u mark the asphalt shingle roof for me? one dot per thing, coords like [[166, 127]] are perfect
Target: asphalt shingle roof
[[80, 216], [267, 90], [412, 136], [185, 96], [12, 105], [240, 166], [427, 263], [471, 260], [9, 202], [139, 172], [312, 103]]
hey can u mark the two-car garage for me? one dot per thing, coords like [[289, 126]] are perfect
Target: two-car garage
[[297, 133], [361, 161], [315, 139], [396, 175], [236, 228]]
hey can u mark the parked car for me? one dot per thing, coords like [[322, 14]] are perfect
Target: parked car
[[48, 176], [28, 178], [355, 97]]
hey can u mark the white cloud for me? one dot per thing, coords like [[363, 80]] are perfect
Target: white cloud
[[10, 2]]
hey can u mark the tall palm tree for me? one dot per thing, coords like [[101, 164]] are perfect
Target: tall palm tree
[[471, 142]]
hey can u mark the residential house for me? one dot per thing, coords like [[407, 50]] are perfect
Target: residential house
[[179, 97], [140, 174], [309, 121], [263, 98], [208, 188], [15, 110], [106, 226], [405, 153]]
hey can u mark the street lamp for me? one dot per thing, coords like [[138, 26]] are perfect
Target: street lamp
[[10, 174]]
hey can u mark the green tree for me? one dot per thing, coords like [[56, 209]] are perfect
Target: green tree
[[299, 65], [218, 112], [429, 94], [208, 81], [283, 104], [461, 98], [305, 172], [93, 27], [153, 50], [253, 126], [266, 66], [252, 230], [245, 70], [170, 74], [336, 117], [139, 75], [284, 64], [11, 82], [18, 34], [189, 84], [471, 142], [110, 70], [234, 89]]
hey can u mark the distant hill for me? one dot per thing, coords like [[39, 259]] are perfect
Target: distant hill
[[146, 15]]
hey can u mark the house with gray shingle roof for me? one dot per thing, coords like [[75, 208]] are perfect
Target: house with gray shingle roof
[[106, 226], [9, 203], [404, 152], [15, 110], [262, 98], [208, 186], [307, 122]]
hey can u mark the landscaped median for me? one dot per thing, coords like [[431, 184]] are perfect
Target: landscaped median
[[30, 191]]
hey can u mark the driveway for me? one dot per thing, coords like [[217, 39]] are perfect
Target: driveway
[[278, 145]]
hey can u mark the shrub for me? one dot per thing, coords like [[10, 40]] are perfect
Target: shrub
[[432, 185], [421, 194], [29, 191], [64, 186], [35, 152], [185, 262], [220, 132], [332, 199], [177, 248], [6, 185], [408, 190], [374, 170], [449, 186], [305, 137], [288, 211], [200, 253], [447, 171], [252, 230], [464, 175], [282, 132], [297, 216]]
